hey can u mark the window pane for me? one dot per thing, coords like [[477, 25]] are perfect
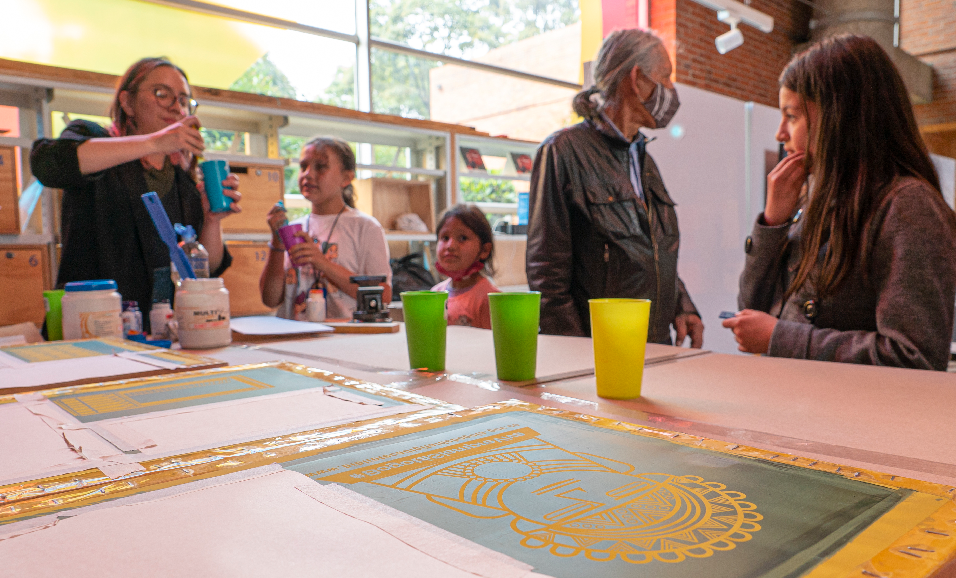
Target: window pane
[[541, 38], [400, 84], [109, 35]]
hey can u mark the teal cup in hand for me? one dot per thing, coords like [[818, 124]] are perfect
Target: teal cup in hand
[[425, 328], [514, 326], [213, 174]]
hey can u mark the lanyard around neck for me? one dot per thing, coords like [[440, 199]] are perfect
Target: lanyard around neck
[[325, 245]]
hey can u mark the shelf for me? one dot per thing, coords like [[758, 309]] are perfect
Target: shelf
[[490, 177], [244, 159], [404, 170], [497, 208], [399, 236]]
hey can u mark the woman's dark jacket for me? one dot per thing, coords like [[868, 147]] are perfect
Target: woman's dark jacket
[[106, 231], [590, 236]]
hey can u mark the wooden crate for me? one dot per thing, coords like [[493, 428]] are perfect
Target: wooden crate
[[9, 190], [242, 278], [261, 187], [386, 199], [24, 275]]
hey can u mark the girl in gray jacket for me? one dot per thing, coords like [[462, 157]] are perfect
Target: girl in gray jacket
[[854, 256]]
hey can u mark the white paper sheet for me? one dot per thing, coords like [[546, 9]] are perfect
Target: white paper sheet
[[28, 445], [70, 370], [261, 526], [213, 425], [268, 325]]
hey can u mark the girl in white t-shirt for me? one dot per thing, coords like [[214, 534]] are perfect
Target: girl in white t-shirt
[[341, 241], [465, 246]]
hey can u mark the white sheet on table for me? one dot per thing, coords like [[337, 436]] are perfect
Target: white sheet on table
[[267, 525], [213, 425]]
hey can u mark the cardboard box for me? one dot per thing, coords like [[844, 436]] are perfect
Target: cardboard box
[[262, 186], [24, 276], [386, 199], [242, 278], [9, 190]]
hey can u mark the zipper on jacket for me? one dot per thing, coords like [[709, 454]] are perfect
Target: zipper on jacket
[[657, 266]]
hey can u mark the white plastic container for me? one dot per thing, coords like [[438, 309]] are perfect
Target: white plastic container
[[92, 309], [202, 312], [159, 317], [315, 306]]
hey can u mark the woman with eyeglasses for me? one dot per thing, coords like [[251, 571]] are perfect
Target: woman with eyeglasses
[[151, 146]]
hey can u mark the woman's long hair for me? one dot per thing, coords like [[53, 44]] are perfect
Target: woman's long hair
[[621, 51], [130, 82], [865, 136]]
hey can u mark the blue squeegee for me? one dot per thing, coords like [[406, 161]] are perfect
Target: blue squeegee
[[165, 230]]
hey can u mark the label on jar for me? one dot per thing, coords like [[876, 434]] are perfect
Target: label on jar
[[200, 318], [99, 324]]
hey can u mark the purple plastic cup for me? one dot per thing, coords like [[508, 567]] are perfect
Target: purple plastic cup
[[289, 237]]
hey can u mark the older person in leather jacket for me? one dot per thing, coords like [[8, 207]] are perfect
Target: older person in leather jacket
[[601, 223]]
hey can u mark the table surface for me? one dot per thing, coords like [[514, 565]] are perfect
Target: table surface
[[886, 419]]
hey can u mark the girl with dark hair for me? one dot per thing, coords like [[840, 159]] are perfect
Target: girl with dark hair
[[465, 250], [601, 222], [854, 256], [341, 241], [151, 146]]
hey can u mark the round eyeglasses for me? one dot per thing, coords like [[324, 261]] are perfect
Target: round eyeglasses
[[165, 97]]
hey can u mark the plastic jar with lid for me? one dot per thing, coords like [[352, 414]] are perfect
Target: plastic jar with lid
[[92, 309], [202, 313]]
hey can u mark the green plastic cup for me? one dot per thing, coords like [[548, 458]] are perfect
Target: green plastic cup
[[514, 326], [54, 314], [619, 333], [425, 327]]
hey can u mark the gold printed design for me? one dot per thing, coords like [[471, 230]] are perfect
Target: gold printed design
[[135, 398], [573, 503]]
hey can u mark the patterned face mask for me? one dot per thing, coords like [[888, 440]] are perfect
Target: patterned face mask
[[662, 104]]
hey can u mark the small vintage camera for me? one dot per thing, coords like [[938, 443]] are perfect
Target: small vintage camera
[[369, 306]]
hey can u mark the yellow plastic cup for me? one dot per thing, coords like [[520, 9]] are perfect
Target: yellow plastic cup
[[619, 332]]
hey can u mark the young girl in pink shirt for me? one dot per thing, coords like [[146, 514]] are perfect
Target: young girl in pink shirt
[[465, 246]]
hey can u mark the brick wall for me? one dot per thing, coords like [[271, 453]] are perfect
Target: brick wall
[[928, 31], [748, 72]]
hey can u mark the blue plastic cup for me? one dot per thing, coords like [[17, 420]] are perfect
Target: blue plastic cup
[[213, 174]]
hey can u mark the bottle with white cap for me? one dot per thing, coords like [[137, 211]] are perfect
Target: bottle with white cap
[[315, 306], [159, 317], [91, 309]]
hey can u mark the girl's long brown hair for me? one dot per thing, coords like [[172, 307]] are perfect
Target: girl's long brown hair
[[865, 136]]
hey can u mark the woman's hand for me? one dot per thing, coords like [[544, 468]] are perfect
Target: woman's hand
[[784, 184], [230, 188], [752, 330], [308, 252], [179, 137]]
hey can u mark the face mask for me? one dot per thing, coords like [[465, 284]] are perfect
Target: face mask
[[459, 275], [662, 104]]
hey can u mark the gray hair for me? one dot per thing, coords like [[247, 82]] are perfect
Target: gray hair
[[621, 51]]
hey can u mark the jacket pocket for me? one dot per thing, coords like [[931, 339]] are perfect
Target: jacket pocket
[[615, 214]]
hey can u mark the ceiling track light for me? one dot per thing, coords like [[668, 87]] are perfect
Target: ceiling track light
[[734, 13], [732, 38]]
